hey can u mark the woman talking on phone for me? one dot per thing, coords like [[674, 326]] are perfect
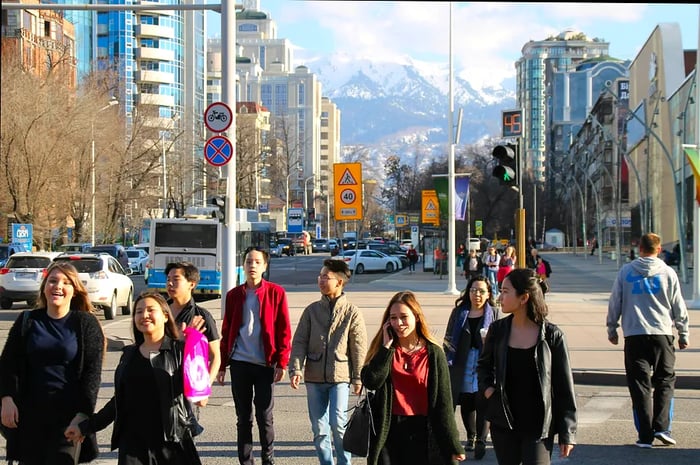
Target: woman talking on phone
[[412, 406]]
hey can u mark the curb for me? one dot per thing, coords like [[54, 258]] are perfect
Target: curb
[[609, 378]]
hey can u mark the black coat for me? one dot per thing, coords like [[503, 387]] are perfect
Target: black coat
[[175, 409], [554, 370]]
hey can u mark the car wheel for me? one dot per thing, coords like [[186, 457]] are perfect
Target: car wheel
[[5, 303], [126, 309], [359, 269], [111, 310], [389, 267]]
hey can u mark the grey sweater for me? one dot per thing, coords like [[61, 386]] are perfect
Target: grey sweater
[[647, 296]]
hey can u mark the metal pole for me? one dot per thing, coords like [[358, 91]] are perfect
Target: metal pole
[[92, 176], [451, 279], [229, 260], [165, 175], [306, 197]]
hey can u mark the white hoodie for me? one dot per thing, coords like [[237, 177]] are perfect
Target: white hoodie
[[647, 295]]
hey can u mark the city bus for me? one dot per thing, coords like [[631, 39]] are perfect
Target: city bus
[[199, 241]]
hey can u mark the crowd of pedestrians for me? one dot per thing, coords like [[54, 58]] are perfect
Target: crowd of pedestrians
[[501, 361]]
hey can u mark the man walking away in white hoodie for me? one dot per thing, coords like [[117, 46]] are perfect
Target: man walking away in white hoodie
[[647, 296]]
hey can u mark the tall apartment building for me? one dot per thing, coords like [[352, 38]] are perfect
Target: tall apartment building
[[266, 75], [542, 63], [159, 57], [83, 21], [40, 41]]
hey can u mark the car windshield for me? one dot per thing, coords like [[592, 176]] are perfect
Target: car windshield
[[133, 253], [28, 262], [84, 265]]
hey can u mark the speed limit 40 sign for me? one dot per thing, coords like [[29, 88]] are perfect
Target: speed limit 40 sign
[[348, 191]]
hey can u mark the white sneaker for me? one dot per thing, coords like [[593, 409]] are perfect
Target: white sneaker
[[643, 445], [665, 437]]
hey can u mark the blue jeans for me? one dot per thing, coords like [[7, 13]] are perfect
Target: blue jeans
[[328, 405], [491, 274]]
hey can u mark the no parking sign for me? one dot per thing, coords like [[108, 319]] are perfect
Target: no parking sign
[[218, 151]]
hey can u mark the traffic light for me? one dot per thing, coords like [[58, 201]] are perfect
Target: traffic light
[[219, 201], [507, 169]]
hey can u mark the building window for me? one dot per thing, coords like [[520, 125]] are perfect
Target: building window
[[324, 136], [324, 123], [248, 27]]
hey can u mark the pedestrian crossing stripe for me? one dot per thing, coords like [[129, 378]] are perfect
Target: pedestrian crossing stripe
[[430, 205], [347, 179]]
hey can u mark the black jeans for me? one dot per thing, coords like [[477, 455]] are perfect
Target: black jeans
[[253, 385], [649, 363], [407, 443], [472, 409], [515, 447]]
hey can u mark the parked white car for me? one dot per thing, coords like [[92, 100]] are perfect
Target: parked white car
[[363, 260], [21, 277], [138, 260], [107, 283]]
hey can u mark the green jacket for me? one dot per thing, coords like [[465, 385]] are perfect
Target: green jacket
[[329, 347], [442, 427]]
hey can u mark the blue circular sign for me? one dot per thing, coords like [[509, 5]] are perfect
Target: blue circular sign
[[218, 151]]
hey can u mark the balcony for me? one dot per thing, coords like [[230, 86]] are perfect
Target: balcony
[[156, 99], [159, 77], [150, 30], [151, 53]]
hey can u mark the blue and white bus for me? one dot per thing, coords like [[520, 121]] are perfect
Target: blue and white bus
[[198, 241]]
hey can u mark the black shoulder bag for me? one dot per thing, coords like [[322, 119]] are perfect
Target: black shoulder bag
[[360, 427]]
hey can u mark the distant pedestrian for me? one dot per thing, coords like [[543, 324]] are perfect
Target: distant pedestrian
[[255, 344], [412, 255], [328, 349], [506, 264], [647, 297], [525, 374], [594, 245], [491, 261], [473, 265], [412, 408]]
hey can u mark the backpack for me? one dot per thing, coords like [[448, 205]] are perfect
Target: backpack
[[547, 267]]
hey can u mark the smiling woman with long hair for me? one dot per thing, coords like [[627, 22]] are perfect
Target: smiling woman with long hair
[[153, 421], [50, 371]]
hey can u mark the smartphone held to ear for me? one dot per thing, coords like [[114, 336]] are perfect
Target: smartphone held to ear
[[391, 332]]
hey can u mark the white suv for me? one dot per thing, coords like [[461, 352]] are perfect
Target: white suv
[[107, 283], [21, 277]]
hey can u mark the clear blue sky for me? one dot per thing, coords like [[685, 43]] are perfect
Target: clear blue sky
[[488, 37]]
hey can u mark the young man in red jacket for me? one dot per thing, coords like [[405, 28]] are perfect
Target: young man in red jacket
[[255, 344]]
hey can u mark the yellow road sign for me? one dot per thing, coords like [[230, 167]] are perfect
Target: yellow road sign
[[347, 178], [430, 207]]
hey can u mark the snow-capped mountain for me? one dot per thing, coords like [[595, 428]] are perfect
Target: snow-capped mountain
[[405, 100]]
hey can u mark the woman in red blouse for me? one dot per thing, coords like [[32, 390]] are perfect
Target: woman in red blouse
[[412, 405]]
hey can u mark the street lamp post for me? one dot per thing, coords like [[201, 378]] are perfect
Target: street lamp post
[[306, 197], [92, 168]]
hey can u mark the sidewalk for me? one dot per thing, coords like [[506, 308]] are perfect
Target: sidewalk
[[578, 299]]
